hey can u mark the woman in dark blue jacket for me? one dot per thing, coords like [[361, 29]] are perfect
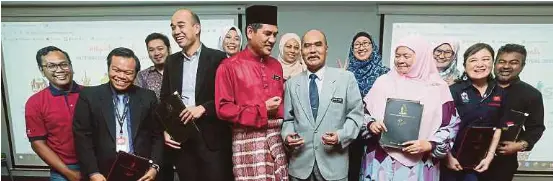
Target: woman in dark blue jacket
[[479, 103]]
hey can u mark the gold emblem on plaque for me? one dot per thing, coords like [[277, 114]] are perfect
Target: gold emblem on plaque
[[403, 110], [400, 122]]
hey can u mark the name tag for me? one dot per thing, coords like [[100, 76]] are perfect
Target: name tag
[[337, 100], [494, 104]]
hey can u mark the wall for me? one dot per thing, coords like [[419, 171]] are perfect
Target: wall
[[339, 23]]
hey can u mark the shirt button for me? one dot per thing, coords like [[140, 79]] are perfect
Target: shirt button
[[71, 105], [315, 148], [265, 85]]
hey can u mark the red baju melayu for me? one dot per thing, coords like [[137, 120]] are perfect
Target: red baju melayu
[[242, 85]]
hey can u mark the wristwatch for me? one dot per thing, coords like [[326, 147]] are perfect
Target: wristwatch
[[524, 145], [155, 166]]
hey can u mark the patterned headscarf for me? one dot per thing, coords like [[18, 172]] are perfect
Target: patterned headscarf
[[366, 71], [451, 70]]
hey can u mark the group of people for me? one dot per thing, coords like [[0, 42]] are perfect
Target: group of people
[[291, 118]]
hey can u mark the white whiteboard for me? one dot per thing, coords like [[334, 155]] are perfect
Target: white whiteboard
[[88, 44], [538, 40]]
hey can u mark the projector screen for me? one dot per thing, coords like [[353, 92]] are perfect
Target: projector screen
[[536, 36], [88, 44]]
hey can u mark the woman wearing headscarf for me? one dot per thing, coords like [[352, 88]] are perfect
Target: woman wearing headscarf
[[366, 65], [365, 62], [289, 55], [230, 40], [445, 54], [478, 99], [413, 77]]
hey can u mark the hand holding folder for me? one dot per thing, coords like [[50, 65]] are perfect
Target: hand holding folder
[[513, 123], [474, 146], [402, 120], [168, 111], [128, 167]]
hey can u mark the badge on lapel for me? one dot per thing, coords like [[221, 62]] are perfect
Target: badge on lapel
[[496, 98], [465, 97], [276, 77], [337, 100]]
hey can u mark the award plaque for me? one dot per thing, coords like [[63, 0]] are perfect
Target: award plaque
[[402, 118]]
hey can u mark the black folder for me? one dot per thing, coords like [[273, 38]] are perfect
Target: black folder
[[474, 146], [402, 119], [168, 111], [513, 121], [128, 167]]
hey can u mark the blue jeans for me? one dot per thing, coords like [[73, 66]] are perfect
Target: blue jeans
[[56, 176]]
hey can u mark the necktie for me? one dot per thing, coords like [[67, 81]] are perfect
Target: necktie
[[313, 95]]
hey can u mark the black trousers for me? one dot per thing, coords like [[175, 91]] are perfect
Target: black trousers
[[196, 162], [502, 168], [166, 171], [355, 157]]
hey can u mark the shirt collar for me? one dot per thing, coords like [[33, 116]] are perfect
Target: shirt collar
[[514, 81], [75, 88], [320, 73], [115, 93], [468, 84], [152, 69], [197, 53]]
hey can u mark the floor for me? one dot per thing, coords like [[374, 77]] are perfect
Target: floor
[[5, 178]]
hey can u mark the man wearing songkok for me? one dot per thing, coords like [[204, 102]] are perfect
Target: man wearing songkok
[[248, 93]]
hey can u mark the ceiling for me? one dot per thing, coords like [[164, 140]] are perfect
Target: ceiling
[[210, 2]]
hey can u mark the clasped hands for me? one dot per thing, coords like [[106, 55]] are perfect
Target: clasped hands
[[293, 140]]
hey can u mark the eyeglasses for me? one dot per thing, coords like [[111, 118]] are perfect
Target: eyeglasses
[[446, 53], [53, 67], [364, 44]]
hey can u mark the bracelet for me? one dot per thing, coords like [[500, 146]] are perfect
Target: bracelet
[[524, 145]]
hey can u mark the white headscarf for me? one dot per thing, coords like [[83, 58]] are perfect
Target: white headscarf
[[223, 34], [290, 69]]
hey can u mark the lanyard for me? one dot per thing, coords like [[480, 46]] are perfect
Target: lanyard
[[121, 117]]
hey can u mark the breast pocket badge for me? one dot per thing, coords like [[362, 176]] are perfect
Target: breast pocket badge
[[276, 77], [465, 97], [337, 100]]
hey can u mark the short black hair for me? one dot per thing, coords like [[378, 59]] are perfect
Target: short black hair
[[124, 52], [510, 48], [158, 36], [471, 51], [475, 48], [255, 26], [44, 51]]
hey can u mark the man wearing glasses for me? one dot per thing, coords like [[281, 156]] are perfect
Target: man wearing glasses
[[49, 115]]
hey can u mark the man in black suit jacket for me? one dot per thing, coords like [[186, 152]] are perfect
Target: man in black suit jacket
[[117, 116], [206, 156]]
